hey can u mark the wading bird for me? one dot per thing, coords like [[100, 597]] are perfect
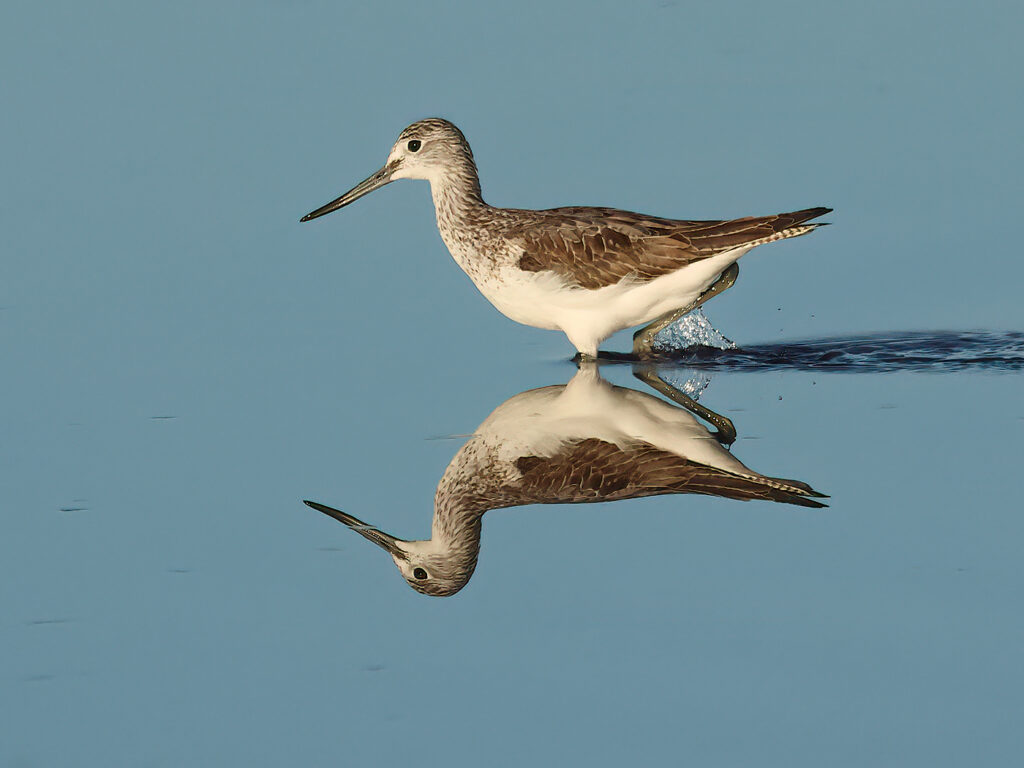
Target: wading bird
[[588, 272]]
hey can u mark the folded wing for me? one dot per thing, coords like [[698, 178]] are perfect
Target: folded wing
[[596, 247], [590, 470]]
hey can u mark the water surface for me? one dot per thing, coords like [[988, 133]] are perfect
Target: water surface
[[183, 363]]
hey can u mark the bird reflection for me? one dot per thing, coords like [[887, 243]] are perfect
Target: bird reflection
[[585, 441]]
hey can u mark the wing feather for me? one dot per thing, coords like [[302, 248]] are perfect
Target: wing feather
[[597, 247], [591, 470]]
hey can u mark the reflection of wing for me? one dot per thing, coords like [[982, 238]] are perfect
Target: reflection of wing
[[596, 247], [590, 470]]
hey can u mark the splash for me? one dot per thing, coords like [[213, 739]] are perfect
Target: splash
[[692, 330], [690, 381]]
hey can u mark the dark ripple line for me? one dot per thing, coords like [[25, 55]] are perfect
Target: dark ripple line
[[936, 351]]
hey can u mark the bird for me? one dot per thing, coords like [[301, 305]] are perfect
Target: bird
[[582, 442], [586, 271]]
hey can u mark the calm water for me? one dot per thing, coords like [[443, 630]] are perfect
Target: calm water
[[183, 363]]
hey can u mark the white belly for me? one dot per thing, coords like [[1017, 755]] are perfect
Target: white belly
[[540, 421], [588, 317]]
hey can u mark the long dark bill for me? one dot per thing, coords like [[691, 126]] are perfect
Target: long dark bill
[[383, 540], [365, 187]]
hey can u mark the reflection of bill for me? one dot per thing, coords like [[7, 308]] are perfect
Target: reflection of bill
[[586, 441]]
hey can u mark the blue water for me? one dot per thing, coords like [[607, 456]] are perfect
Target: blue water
[[938, 351], [183, 363]]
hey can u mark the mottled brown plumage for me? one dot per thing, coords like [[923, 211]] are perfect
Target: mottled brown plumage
[[597, 247], [594, 470]]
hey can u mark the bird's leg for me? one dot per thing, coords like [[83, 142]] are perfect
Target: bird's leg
[[726, 433], [643, 340]]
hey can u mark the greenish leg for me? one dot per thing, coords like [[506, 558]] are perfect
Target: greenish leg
[[726, 434], [643, 340]]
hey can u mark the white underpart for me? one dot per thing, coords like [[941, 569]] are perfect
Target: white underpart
[[538, 422], [588, 317]]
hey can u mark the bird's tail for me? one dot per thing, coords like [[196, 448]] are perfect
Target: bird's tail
[[786, 225]]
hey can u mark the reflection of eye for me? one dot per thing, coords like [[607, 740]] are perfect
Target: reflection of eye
[[414, 146], [419, 573]]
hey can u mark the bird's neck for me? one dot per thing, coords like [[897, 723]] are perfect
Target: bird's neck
[[457, 521], [454, 538], [458, 201]]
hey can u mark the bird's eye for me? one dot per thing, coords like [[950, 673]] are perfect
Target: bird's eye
[[414, 145], [419, 573]]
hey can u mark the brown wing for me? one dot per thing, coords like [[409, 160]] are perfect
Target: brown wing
[[596, 247], [592, 470]]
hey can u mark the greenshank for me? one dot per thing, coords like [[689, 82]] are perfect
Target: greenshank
[[588, 272], [582, 442]]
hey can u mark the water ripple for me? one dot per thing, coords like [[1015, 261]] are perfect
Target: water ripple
[[938, 351]]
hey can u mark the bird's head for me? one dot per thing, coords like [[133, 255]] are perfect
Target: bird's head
[[429, 566], [432, 149]]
